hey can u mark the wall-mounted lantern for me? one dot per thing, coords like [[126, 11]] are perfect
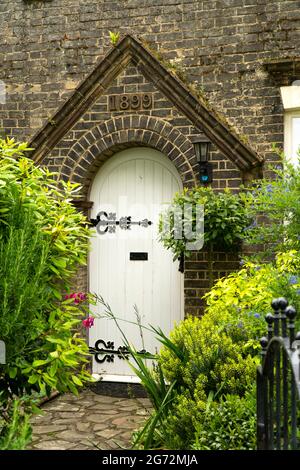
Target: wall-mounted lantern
[[202, 147]]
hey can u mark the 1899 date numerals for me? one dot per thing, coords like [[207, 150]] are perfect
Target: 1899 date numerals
[[129, 102]]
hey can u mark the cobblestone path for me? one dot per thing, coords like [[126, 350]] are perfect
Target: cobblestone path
[[70, 422]]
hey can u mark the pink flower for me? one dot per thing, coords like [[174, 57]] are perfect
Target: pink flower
[[77, 296], [88, 322]]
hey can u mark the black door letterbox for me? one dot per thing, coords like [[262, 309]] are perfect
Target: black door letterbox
[[138, 256]]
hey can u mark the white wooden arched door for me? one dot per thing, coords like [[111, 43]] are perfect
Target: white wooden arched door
[[134, 183]]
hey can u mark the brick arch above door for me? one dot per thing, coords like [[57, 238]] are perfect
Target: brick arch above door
[[103, 140]]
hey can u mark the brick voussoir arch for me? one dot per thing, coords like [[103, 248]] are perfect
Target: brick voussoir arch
[[120, 132]]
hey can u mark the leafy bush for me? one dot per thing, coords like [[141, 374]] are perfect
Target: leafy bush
[[43, 240], [275, 205], [227, 422], [244, 297], [213, 366], [219, 355], [228, 425], [225, 218], [15, 429], [199, 369], [212, 361]]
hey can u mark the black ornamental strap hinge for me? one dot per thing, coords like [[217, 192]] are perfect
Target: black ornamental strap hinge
[[107, 222], [104, 351]]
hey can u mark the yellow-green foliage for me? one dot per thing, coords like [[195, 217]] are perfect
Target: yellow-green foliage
[[213, 362], [249, 288], [114, 37], [43, 241], [240, 301], [220, 355], [288, 261], [213, 365]]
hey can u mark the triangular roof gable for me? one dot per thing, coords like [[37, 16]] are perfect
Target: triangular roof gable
[[92, 87]]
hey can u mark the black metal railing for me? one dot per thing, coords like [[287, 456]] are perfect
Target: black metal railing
[[278, 385]]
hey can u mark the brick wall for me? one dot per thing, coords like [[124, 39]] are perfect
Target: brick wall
[[47, 47], [197, 280]]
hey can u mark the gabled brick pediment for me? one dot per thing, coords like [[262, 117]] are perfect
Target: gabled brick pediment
[[96, 84]]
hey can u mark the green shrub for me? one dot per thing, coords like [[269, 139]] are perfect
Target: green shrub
[[212, 359], [228, 425], [239, 302], [203, 369], [43, 240], [274, 203], [213, 366], [15, 429], [225, 218]]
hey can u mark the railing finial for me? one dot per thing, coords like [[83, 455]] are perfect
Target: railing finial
[[291, 315], [264, 344], [282, 302], [278, 305], [270, 320]]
